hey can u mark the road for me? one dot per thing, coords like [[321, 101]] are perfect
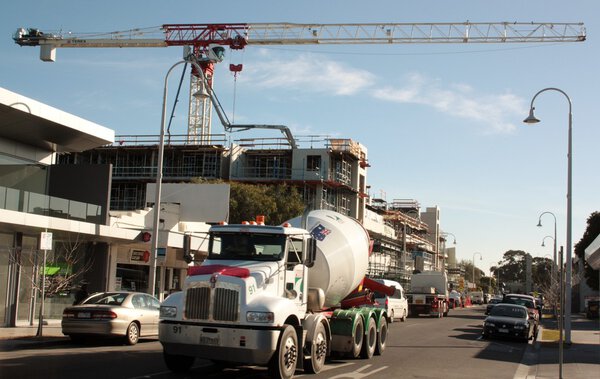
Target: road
[[418, 348]]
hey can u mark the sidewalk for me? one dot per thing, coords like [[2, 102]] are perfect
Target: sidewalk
[[24, 336], [581, 359]]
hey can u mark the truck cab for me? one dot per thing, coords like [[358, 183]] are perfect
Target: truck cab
[[236, 302]]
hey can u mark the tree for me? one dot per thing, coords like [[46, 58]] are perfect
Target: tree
[[591, 232], [513, 266], [65, 266], [277, 203]]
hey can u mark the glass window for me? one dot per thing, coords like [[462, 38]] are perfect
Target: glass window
[[138, 301], [246, 246], [152, 303], [313, 163]]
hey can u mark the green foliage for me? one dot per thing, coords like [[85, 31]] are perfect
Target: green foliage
[[512, 266], [591, 232], [277, 203]]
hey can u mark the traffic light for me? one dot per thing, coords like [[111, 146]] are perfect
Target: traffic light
[[145, 237]]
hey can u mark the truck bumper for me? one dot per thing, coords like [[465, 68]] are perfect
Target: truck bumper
[[418, 309], [223, 343]]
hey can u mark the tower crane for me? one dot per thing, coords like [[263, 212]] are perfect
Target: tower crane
[[208, 42]]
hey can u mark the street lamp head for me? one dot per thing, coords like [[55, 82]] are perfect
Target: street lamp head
[[543, 244], [539, 223], [531, 118]]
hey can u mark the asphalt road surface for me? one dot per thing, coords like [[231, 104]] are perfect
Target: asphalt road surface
[[421, 347]]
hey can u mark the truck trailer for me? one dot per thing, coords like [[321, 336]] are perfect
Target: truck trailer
[[285, 297]]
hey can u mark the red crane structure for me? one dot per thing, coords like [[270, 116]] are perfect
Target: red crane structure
[[208, 42]]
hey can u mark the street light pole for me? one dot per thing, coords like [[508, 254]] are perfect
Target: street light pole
[[159, 176], [480, 258], [444, 235], [529, 120], [552, 269], [554, 247]]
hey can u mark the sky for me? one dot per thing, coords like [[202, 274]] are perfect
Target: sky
[[442, 123]]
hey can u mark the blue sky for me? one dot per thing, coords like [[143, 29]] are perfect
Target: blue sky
[[442, 123]]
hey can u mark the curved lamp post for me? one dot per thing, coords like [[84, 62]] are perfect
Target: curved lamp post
[[444, 235], [554, 248], [480, 258], [554, 258], [159, 174], [532, 120]]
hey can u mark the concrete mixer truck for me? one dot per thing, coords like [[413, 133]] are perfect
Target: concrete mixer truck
[[284, 297]]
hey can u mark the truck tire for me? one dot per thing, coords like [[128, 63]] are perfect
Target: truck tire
[[370, 341], [381, 337], [391, 318], [358, 337], [178, 363], [447, 309], [404, 316], [318, 351], [284, 361]]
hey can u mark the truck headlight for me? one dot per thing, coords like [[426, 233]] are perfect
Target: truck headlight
[[259, 317], [168, 311], [487, 323], [521, 326]]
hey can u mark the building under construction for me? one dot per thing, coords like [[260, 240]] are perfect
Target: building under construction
[[330, 174]]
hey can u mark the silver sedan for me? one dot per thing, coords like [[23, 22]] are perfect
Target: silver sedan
[[113, 314]]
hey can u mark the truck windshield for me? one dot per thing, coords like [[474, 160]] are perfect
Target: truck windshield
[[246, 246]]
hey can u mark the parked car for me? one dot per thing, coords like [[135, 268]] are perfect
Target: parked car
[[526, 300], [130, 315], [396, 306], [493, 301], [509, 321], [591, 311]]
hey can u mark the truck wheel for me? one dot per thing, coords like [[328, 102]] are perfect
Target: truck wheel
[[357, 338], [284, 361], [318, 351], [391, 316], [404, 316], [447, 308], [381, 337], [178, 363], [368, 347]]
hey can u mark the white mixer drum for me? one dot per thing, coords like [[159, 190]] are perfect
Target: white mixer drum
[[342, 253]]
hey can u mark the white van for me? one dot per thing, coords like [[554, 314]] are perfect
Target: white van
[[396, 305], [477, 297]]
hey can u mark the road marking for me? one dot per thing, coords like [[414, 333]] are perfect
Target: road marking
[[357, 374], [328, 367]]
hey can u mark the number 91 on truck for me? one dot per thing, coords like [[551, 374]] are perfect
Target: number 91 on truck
[[285, 297]]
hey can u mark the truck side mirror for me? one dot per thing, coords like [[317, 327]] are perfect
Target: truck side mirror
[[311, 253]]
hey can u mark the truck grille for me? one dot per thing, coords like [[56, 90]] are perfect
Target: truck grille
[[197, 303], [225, 304]]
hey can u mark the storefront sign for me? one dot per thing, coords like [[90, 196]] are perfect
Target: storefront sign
[[140, 256]]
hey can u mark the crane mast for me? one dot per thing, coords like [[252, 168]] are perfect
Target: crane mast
[[208, 41]]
